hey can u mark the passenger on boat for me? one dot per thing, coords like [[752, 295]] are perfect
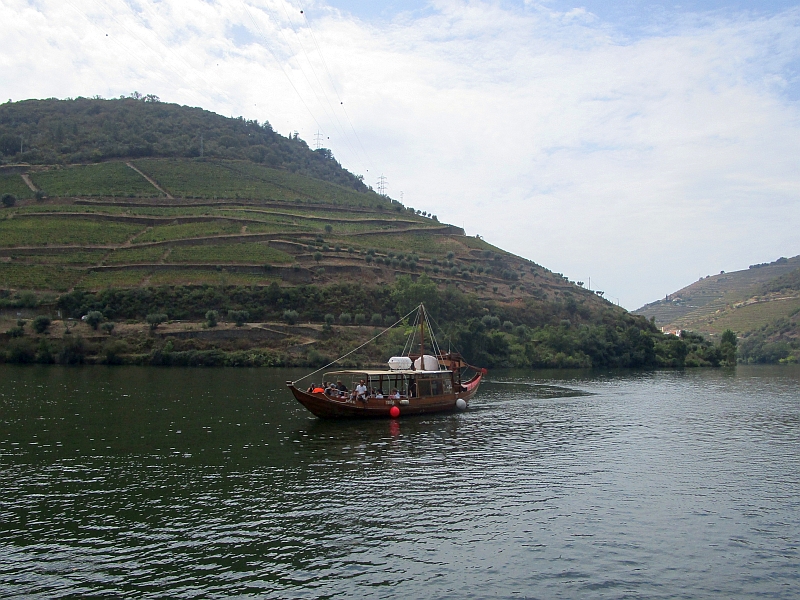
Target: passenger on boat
[[341, 387], [331, 390], [395, 394], [378, 393], [311, 387], [318, 390], [361, 391], [412, 390]]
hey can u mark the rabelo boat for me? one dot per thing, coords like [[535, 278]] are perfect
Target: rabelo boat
[[414, 383]]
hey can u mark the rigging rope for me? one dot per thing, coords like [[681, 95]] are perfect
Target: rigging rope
[[359, 348]]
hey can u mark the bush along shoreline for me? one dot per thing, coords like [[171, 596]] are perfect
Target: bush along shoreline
[[310, 325]]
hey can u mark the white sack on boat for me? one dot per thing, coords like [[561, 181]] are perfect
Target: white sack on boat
[[399, 363], [426, 363]]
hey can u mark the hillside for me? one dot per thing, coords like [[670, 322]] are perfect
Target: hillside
[[761, 305], [230, 259], [85, 130]]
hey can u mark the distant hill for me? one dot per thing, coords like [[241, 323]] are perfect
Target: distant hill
[[761, 305], [258, 252], [85, 130]]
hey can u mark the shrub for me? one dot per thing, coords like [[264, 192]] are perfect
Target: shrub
[[9, 200], [450, 255], [39, 195], [73, 352], [15, 332], [328, 228], [368, 258], [238, 316], [360, 319], [108, 327], [41, 324], [155, 319], [317, 256], [212, 317], [290, 316], [345, 318], [376, 319], [329, 319], [508, 326], [94, 318]]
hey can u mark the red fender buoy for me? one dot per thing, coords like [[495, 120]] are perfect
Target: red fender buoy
[[394, 412]]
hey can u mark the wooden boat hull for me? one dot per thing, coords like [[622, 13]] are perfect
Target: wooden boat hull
[[327, 407]]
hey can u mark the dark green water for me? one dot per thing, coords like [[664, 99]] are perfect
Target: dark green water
[[148, 482]]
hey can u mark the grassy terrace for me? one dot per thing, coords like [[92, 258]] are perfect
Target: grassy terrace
[[69, 257], [11, 183], [197, 178], [229, 253], [129, 256], [38, 277], [104, 179], [21, 231]]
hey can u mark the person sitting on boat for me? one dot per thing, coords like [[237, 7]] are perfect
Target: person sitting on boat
[[331, 390], [395, 394], [341, 387], [378, 393], [412, 389], [361, 391], [318, 390], [311, 387]]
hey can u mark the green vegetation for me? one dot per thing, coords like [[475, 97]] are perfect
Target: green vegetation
[[95, 280], [165, 233], [127, 256], [760, 305], [104, 179], [43, 231], [37, 277], [90, 130], [240, 179], [11, 183], [498, 309], [62, 257], [253, 252]]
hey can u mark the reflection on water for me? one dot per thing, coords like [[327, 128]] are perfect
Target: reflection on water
[[206, 483]]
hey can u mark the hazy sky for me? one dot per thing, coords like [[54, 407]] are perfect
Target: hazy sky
[[641, 144]]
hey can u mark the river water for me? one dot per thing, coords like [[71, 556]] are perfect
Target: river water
[[147, 482]]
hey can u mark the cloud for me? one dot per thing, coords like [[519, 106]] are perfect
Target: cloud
[[642, 163]]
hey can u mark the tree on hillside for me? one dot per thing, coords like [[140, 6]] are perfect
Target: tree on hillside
[[727, 347], [9, 200], [84, 130]]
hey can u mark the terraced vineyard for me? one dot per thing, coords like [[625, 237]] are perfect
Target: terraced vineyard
[[262, 252], [106, 225], [701, 300]]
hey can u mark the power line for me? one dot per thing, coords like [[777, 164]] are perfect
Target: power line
[[266, 45], [333, 86], [322, 87]]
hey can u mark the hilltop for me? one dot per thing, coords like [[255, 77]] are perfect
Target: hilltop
[[760, 304], [260, 251]]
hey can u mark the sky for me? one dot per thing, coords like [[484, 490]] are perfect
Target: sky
[[639, 144]]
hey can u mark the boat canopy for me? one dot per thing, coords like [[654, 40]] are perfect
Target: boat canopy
[[390, 373]]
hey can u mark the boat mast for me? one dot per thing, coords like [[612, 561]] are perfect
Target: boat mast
[[422, 335]]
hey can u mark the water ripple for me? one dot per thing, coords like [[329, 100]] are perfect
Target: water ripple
[[657, 485]]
